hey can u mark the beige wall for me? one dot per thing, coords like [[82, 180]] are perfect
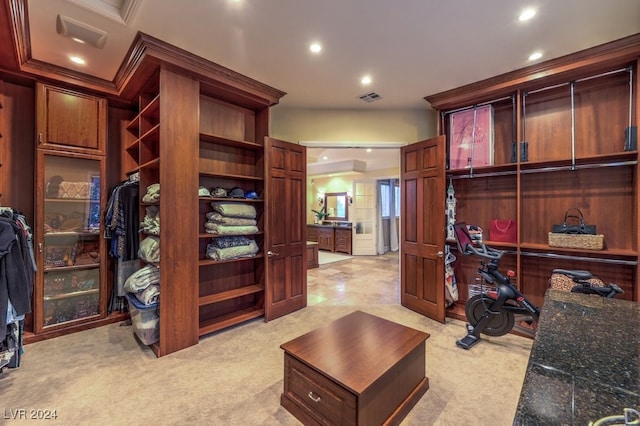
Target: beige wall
[[300, 124]]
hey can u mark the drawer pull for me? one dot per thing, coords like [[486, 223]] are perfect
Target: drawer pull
[[313, 398]]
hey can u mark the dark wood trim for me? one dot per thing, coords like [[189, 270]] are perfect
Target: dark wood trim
[[145, 56], [587, 62], [112, 318], [211, 75]]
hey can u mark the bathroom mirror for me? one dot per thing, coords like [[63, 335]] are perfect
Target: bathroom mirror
[[337, 205]]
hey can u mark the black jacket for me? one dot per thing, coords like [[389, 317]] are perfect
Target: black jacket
[[16, 274]]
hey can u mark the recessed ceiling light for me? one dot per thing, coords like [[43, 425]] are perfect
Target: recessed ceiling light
[[315, 47], [325, 158], [77, 60], [527, 14], [366, 80], [368, 149], [535, 55]]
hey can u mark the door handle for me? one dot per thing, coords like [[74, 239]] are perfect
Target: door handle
[[440, 253], [270, 253]]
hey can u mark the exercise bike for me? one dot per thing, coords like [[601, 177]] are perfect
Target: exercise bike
[[497, 312]]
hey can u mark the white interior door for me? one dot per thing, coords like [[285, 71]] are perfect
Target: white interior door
[[364, 218]]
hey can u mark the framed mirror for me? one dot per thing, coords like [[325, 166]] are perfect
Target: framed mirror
[[337, 205]]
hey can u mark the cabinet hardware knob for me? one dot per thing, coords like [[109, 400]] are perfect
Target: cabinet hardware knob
[[313, 397], [40, 247], [440, 254], [270, 253]]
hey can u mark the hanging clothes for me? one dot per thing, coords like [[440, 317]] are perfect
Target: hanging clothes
[[17, 276], [17, 271], [121, 226], [122, 220]]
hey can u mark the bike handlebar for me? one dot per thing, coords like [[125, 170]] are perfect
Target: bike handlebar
[[609, 291]]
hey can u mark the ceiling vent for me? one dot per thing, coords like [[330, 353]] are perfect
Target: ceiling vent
[[80, 32], [370, 97]]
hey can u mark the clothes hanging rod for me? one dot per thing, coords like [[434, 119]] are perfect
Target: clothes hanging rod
[[542, 170], [478, 105], [579, 166], [583, 258], [604, 74], [478, 175]]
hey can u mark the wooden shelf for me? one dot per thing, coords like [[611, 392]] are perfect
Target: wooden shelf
[[219, 323], [231, 200], [503, 169], [72, 294], [72, 234], [207, 262], [220, 140], [155, 163], [207, 235], [628, 158], [70, 268], [230, 176], [603, 253], [575, 159], [231, 294]]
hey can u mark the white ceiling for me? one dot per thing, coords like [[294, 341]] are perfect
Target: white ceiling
[[411, 48]]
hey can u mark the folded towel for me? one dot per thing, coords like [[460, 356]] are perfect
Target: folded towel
[[216, 253], [235, 209], [216, 228], [150, 295], [226, 242], [142, 278], [153, 194], [216, 217], [149, 249]]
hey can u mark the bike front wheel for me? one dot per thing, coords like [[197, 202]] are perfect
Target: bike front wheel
[[500, 322]]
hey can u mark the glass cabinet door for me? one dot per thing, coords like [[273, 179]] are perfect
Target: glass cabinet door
[[71, 240]]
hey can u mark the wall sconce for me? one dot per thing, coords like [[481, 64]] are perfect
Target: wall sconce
[[320, 199], [350, 198]]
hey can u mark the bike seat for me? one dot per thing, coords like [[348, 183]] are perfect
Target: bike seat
[[575, 274]]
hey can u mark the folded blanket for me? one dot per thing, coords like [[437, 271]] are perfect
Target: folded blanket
[[225, 242], [149, 249], [216, 217], [153, 194], [235, 209], [216, 228], [150, 295], [142, 278], [216, 253], [74, 190], [151, 222]]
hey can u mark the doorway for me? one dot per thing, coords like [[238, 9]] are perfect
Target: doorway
[[334, 167]]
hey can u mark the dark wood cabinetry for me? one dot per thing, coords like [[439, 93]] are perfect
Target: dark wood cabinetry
[[558, 142], [71, 289], [343, 240], [209, 131], [330, 376], [331, 238], [71, 121]]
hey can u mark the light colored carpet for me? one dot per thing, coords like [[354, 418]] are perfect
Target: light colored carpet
[[234, 377], [325, 257]]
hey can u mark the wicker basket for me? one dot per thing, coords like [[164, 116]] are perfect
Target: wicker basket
[[581, 241]]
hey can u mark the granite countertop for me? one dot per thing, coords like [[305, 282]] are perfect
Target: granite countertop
[[584, 363]]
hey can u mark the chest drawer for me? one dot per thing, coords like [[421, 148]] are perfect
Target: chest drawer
[[322, 399]]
